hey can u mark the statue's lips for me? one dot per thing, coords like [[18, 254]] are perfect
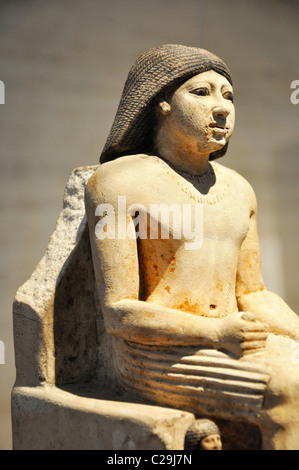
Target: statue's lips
[[218, 127]]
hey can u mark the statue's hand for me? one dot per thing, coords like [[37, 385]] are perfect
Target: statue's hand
[[241, 334]]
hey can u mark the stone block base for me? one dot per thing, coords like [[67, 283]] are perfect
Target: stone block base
[[49, 418]]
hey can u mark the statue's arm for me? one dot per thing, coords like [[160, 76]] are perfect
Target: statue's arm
[[117, 277], [252, 294]]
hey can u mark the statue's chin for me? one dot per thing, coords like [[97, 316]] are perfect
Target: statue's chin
[[214, 141], [217, 142], [220, 152], [213, 146]]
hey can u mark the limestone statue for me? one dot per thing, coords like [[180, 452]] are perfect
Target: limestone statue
[[191, 323], [203, 434]]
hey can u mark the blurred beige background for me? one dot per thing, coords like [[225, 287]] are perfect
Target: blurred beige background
[[64, 63]]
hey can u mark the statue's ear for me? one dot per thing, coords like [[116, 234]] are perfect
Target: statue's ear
[[164, 107]]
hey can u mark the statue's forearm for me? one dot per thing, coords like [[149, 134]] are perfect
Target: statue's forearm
[[148, 323], [272, 310]]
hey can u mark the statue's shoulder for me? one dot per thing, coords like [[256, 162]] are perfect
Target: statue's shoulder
[[123, 174], [238, 183], [126, 166]]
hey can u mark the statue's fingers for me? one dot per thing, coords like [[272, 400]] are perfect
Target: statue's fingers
[[255, 336], [252, 346], [255, 326]]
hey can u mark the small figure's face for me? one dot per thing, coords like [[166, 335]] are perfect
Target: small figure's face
[[201, 111], [211, 442]]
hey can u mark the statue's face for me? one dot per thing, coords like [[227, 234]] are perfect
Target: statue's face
[[211, 442], [201, 111]]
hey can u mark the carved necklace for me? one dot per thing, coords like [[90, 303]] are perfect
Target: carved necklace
[[196, 180], [201, 178]]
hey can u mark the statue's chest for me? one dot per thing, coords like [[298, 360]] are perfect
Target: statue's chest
[[222, 213], [225, 217]]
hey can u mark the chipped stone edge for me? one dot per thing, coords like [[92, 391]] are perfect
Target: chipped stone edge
[[39, 289]]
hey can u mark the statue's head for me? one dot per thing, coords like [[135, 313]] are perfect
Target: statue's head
[[196, 121], [154, 79], [203, 434]]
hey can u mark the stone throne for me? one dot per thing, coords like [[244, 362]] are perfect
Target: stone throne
[[62, 397]]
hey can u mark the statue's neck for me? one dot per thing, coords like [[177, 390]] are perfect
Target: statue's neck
[[181, 154]]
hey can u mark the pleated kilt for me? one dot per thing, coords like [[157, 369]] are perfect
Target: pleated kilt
[[205, 381]]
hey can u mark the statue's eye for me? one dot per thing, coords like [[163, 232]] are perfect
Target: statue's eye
[[228, 96], [200, 91]]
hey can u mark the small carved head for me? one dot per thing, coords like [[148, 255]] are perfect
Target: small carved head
[[203, 434]]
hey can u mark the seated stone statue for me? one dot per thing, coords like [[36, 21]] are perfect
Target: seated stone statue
[[192, 324]]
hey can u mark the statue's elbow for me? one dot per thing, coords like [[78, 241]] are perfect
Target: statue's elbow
[[113, 320]]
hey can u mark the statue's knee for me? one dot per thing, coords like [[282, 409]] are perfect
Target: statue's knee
[[283, 386]]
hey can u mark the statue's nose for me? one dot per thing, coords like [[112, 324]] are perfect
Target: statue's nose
[[220, 112]]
